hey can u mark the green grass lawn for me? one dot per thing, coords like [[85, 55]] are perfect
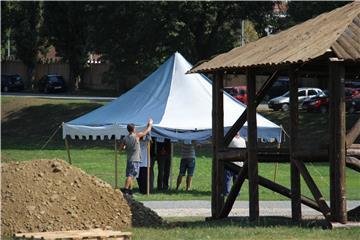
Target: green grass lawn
[[231, 229], [27, 123], [187, 228]]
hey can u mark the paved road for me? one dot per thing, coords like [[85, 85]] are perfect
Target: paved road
[[241, 208]]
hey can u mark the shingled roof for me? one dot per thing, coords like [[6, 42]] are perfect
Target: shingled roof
[[337, 31]]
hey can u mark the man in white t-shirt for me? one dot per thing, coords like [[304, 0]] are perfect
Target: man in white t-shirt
[[237, 142]]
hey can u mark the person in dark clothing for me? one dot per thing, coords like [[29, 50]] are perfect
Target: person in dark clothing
[[143, 173], [163, 157]]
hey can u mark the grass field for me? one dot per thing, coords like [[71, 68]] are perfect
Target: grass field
[[186, 228], [240, 228], [27, 123]]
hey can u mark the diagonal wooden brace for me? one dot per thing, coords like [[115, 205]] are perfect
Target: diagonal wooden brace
[[353, 134], [313, 188], [259, 97]]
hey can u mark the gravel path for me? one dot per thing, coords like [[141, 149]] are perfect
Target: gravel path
[[241, 208]]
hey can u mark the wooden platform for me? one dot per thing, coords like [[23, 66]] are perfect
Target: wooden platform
[[90, 234]]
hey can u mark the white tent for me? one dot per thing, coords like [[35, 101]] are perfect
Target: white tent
[[179, 103]]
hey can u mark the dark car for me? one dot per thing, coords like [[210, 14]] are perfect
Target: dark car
[[320, 102], [52, 83], [279, 87], [11, 83], [238, 92], [353, 84]]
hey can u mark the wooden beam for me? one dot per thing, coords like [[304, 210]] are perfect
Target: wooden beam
[[68, 149], [235, 189], [259, 97], [294, 122], [272, 186], [287, 192], [148, 168], [116, 163], [277, 155], [252, 147], [337, 141], [353, 163], [353, 134], [313, 188], [217, 200]]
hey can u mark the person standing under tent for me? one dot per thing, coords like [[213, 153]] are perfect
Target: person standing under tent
[[163, 157], [132, 145], [237, 142], [187, 164], [142, 178]]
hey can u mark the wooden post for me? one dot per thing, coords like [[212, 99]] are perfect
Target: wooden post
[[337, 141], [217, 200], [252, 147], [171, 165], [116, 163], [68, 149], [294, 122], [259, 97], [148, 169]]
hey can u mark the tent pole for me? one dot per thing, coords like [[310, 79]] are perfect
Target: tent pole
[[116, 163], [171, 163], [68, 150], [148, 169]]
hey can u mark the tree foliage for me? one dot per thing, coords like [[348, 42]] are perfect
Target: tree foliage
[[137, 36], [300, 11], [66, 25]]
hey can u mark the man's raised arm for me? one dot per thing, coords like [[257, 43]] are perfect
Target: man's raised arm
[[147, 130]]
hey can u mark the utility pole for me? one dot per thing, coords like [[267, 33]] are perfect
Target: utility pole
[[8, 46], [242, 32]]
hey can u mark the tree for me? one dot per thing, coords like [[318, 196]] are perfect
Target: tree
[[138, 36], [300, 11], [66, 25], [25, 21], [6, 24]]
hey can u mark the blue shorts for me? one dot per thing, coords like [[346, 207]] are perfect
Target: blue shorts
[[132, 169], [187, 164]]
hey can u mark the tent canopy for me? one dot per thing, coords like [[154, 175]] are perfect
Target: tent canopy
[[180, 105]]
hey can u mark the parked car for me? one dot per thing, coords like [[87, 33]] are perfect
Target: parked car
[[52, 83], [353, 84], [283, 101], [238, 92], [11, 83], [320, 103], [279, 87]]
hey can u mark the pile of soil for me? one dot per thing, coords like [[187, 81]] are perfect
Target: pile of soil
[[51, 195]]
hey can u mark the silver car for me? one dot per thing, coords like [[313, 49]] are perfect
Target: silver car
[[283, 101]]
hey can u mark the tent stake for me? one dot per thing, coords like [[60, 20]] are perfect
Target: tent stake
[[68, 150], [116, 163]]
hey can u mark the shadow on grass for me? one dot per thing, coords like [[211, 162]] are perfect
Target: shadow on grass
[[243, 222], [31, 127], [194, 193]]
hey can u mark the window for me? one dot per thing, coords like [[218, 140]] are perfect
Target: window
[[302, 93], [312, 92]]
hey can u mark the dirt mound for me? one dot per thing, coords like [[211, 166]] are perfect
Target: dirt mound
[[51, 195]]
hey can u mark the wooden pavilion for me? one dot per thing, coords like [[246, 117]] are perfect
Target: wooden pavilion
[[328, 44]]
